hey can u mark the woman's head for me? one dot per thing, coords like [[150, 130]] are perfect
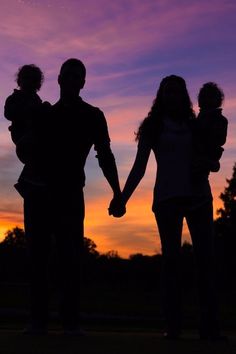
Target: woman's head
[[210, 96], [172, 99], [172, 96], [29, 78]]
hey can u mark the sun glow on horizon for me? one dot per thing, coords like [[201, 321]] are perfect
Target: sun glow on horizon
[[136, 232]]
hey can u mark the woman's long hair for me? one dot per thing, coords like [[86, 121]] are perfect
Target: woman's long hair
[[151, 125]]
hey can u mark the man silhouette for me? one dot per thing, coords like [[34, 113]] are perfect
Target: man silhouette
[[74, 127]]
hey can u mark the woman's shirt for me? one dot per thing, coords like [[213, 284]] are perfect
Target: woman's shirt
[[173, 152]]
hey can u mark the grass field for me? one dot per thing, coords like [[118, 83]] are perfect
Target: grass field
[[115, 335], [107, 301], [110, 342]]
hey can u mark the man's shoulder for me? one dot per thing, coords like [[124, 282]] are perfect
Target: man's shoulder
[[86, 107], [81, 113], [91, 109]]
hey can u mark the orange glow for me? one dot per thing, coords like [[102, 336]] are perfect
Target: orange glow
[[6, 225], [136, 232]]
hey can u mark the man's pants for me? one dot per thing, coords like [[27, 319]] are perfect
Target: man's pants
[[60, 215]]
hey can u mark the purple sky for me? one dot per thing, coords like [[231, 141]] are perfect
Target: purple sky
[[127, 47]]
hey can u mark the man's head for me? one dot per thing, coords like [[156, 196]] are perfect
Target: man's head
[[72, 77]]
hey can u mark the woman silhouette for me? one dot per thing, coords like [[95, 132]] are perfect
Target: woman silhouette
[[178, 193]]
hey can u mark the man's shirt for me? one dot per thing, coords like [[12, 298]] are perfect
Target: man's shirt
[[74, 129]]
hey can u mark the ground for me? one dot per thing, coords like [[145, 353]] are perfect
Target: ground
[[108, 341], [115, 322]]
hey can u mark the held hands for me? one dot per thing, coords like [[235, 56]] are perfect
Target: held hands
[[117, 207]]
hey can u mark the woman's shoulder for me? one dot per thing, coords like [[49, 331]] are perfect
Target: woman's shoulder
[[146, 125], [147, 133], [145, 129]]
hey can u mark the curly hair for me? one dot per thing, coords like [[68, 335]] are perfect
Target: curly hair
[[30, 72], [153, 121], [210, 91]]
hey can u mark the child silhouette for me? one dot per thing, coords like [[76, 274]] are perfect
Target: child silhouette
[[210, 130]]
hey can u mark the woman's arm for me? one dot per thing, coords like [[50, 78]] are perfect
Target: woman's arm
[[138, 170], [117, 205]]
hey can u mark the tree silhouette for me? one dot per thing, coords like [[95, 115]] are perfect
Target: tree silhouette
[[14, 238], [112, 255], [90, 247], [13, 255], [229, 197], [225, 229], [226, 224]]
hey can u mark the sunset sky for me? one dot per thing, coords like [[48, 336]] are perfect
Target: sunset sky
[[128, 46]]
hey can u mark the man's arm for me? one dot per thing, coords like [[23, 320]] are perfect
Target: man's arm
[[104, 155], [107, 163]]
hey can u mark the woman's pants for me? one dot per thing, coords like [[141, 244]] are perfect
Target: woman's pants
[[199, 216]]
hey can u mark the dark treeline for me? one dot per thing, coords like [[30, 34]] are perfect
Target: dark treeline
[[138, 270], [97, 270]]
